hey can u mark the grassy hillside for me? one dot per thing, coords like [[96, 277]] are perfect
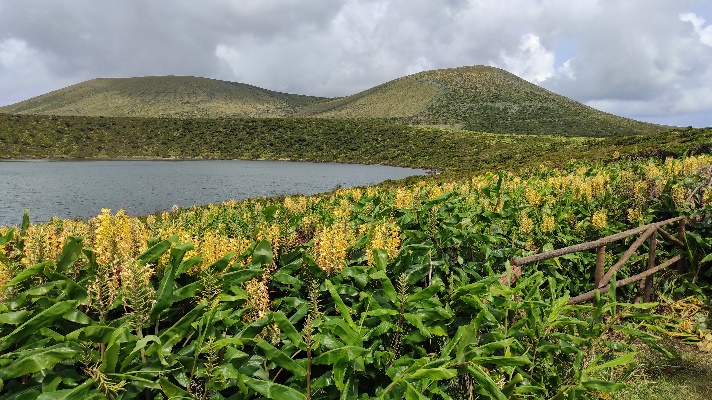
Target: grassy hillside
[[354, 141], [478, 98], [164, 96]]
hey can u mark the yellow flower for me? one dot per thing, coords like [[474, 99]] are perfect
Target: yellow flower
[[257, 299], [525, 223], [404, 199], [5, 277], [331, 247], [533, 196], [678, 194], [707, 196], [548, 223], [599, 219], [382, 235], [634, 215]]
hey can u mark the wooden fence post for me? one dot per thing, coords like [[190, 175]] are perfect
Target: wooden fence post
[[681, 238], [600, 265], [647, 283]]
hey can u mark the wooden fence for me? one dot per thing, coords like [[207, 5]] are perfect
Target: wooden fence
[[602, 279]]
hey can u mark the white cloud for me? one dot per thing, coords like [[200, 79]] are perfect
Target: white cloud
[[705, 34], [530, 61], [633, 57], [24, 72], [16, 55]]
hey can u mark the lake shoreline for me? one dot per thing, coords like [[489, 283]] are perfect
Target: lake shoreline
[[80, 188]]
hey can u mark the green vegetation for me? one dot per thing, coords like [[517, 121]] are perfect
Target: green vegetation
[[479, 99], [163, 96], [354, 141], [403, 290], [379, 292]]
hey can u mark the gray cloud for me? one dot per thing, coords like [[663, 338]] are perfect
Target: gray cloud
[[645, 59]]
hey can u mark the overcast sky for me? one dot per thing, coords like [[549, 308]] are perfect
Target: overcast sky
[[645, 59]]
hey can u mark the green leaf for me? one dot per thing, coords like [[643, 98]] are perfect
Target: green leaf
[[41, 320], [78, 393], [434, 374], [185, 265], [7, 237], [221, 265], [283, 360], [343, 309], [707, 258], [263, 253], [622, 360], [380, 257], [28, 272], [426, 293], [411, 393], [387, 285], [503, 361], [486, 383], [272, 390], [181, 329], [94, 333], [13, 318], [76, 315], [602, 386], [70, 253], [39, 360], [156, 251], [288, 329], [508, 389], [173, 391], [141, 344], [164, 294], [346, 353]]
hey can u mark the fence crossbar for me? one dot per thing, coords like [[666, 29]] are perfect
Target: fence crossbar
[[603, 290], [592, 245]]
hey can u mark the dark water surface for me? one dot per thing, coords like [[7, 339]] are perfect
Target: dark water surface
[[80, 189]]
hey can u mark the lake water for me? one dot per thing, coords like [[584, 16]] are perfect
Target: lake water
[[80, 189]]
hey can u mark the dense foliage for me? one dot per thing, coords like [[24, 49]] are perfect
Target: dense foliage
[[377, 292], [356, 141]]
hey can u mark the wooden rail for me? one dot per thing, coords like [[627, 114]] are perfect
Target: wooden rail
[[602, 278]]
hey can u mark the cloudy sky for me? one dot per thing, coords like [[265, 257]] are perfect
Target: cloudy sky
[[644, 59]]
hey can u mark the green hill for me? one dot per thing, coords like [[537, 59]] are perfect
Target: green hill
[[310, 139], [163, 96], [479, 99]]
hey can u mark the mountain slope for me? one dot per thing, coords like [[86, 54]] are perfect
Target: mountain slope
[[163, 96], [478, 98]]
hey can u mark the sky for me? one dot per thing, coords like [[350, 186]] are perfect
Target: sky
[[649, 60]]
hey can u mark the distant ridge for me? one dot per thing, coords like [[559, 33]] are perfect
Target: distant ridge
[[163, 96], [476, 98]]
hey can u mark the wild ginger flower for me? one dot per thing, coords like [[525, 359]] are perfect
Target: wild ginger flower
[[525, 223], [331, 247], [599, 219], [384, 236], [634, 215], [5, 277], [678, 194], [257, 299], [548, 223], [533, 196], [404, 199]]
